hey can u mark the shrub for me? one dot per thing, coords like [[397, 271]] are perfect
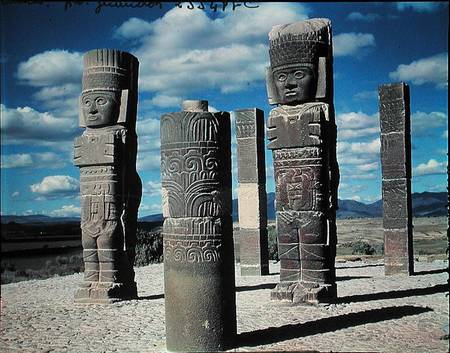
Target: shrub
[[273, 243], [362, 248], [149, 247]]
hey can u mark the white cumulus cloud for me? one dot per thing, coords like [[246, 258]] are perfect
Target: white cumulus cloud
[[163, 101], [18, 160], [427, 123], [150, 208], [26, 125], [353, 44], [357, 124], [66, 211], [148, 161], [56, 186], [52, 67], [421, 7], [358, 16], [227, 53], [133, 28], [35, 160], [430, 167], [433, 69], [153, 188]]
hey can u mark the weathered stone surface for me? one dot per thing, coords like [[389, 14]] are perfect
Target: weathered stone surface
[[194, 159], [109, 184], [300, 176], [395, 203], [393, 156], [250, 146], [254, 254], [197, 231], [252, 198], [302, 135], [396, 173]]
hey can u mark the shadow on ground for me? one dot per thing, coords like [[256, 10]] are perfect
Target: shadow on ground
[[430, 272], [348, 278], [286, 332], [259, 286], [152, 297], [359, 266], [394, 294]]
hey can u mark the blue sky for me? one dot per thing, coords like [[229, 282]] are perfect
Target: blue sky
[[219, 56]]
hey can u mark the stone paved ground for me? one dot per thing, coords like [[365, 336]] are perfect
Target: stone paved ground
[[374, 313]]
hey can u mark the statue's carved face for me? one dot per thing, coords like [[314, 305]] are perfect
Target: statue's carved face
[[295, 84], [100, 108]]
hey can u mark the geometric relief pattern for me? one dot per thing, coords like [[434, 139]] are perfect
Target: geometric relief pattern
[[300, 179], [193, 239], [194, 178], [302, 246], [297, 126], [100, 189]]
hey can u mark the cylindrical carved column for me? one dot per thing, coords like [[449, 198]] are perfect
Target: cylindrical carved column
[[109, 184], [302, 136], [199, 285]]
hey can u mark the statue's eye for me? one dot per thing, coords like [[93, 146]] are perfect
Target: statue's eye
[[282, 77], [100, 100], [299, 74], [87, 102]]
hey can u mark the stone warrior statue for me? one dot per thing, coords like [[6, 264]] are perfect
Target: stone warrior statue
[[109, 184], [302, 137]]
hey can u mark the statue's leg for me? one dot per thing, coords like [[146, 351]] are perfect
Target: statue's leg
[[108, 254], [91, 261]]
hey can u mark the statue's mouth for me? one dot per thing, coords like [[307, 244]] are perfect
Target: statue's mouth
[[93, 117], [291, 93]]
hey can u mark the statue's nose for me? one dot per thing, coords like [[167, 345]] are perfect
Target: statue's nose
[[291, 82], [93, 108]]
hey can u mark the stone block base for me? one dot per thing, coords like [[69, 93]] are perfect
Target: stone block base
[[254, 270], [254, 252], [297, 293], [105, 293]]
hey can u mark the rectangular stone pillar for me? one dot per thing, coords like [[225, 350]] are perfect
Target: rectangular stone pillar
[[199, 287], [396, 174], [252, 198]]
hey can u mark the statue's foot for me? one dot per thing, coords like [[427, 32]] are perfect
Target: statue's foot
[[299, 293], [105, 293]]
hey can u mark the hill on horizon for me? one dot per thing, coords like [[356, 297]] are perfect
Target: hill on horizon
[[424, 204]]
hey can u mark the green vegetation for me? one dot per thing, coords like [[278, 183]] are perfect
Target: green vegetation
[[273, 244], [61, 266], [149, 247]]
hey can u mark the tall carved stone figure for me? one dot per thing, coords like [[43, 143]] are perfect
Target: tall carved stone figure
[[252, 198], [199, 285], [396, 183], [109, 184], [302, 136]]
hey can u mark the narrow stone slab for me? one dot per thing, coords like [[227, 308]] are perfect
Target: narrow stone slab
[[254, 254], [252, 198], [396, 173]]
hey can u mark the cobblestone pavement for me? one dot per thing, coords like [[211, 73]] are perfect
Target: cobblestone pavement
[[374, 313]]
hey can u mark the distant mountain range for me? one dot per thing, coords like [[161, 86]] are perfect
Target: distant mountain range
[[425, 204]]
